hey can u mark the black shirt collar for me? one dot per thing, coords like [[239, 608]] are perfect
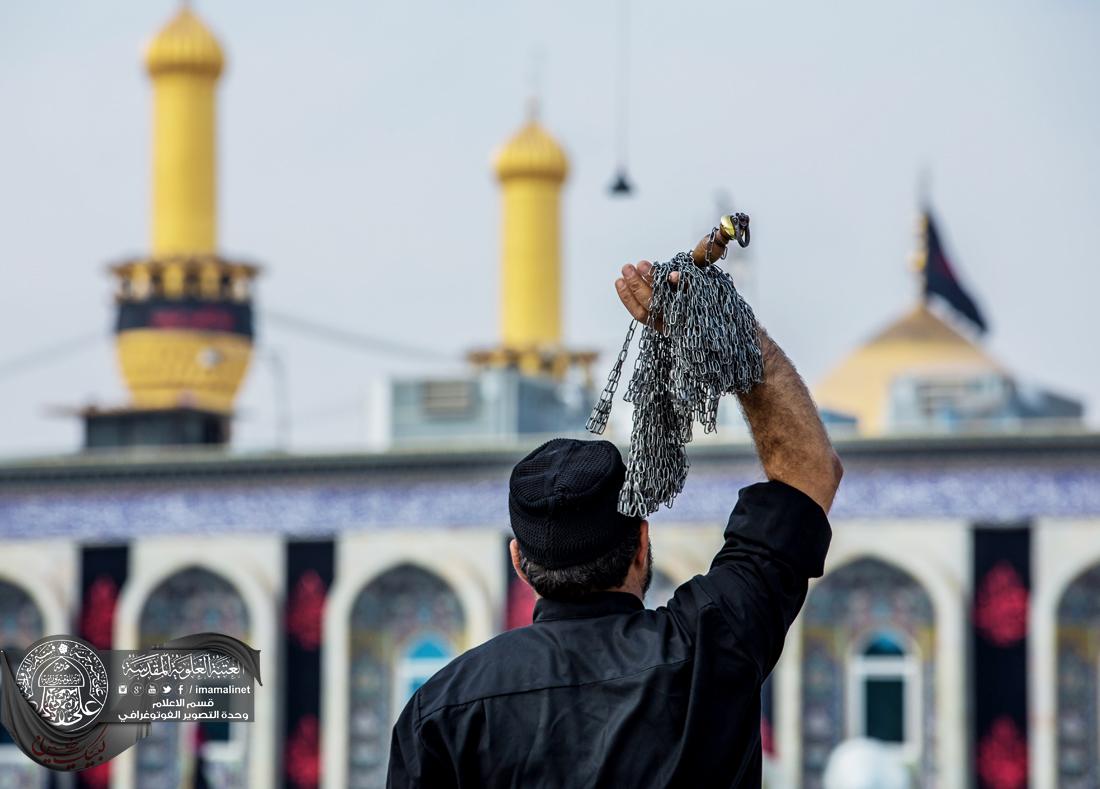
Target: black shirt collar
[[592, 605]]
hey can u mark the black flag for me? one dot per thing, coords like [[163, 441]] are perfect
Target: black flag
[[940, 279]]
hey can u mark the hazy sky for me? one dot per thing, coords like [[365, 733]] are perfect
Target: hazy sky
[[355, 141]]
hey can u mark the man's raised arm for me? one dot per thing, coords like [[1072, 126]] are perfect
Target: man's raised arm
[[790, 438]]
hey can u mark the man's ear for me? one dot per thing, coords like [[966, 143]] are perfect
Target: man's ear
[[643, 544], [513, 548]]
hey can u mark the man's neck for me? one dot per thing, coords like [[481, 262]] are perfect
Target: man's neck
[[633, 589], [625, 589]]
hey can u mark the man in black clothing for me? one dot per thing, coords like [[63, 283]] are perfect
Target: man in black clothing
[[599, 691]]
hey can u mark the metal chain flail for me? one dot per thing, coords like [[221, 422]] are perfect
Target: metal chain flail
[[706, 347], [597, 421]]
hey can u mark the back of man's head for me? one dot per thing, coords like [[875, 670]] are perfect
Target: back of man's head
[[563, 504]]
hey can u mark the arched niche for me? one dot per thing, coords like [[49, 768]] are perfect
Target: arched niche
[[405, 624], [469, 561], [21, 621], [867, 617], [1077, 637], [21, 624], [192, 600]]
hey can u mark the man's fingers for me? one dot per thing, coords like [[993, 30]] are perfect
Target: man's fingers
[[639, 287], [645, 268], [635, 289], [639, 311]]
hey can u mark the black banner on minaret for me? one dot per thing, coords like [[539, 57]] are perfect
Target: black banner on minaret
[[228, 317], [1002, 591], [309, 573]]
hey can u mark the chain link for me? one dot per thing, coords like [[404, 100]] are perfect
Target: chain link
[[597, 421], [706, 347]]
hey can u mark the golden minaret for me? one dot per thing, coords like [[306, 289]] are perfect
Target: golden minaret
[[184, 61], [531, 169], [184, 330]]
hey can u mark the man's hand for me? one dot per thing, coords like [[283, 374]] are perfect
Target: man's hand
[[635, 288]]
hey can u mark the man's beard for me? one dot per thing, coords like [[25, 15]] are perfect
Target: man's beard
[[648, 571]]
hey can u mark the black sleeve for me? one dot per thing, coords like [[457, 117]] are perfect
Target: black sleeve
[[776, 540], [412, 762], [404, 768]]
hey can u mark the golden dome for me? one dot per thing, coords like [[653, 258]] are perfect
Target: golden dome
[[919, 343], [184, 44], [531, 153]]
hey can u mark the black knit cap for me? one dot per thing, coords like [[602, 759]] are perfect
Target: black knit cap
[[563, 502]]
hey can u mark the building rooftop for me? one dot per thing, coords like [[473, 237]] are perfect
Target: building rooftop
[[989, 479]]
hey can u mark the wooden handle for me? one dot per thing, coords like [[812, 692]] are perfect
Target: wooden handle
[[712, 247]]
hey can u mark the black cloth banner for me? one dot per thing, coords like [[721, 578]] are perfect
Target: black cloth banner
[[309, 574], [99, 743], [1002, 589], [229, 317], [103, 573], [940, 279]]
